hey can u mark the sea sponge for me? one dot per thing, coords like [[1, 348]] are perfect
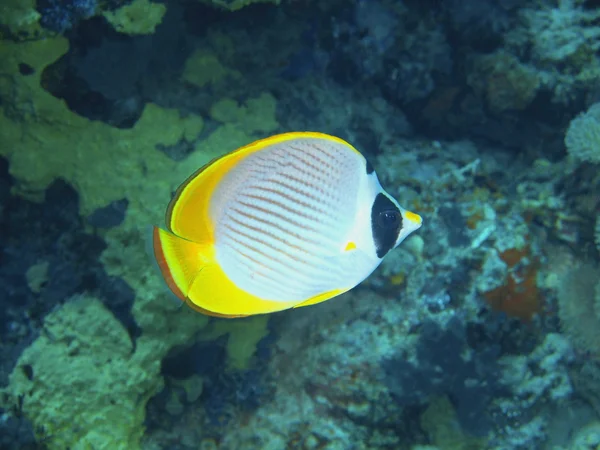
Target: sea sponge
[[21, 19], [139, 17], [579, 306], [558, 33], [583, 135], [43, 140], [80, 382]]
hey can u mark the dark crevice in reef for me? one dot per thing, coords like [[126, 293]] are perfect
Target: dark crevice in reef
[[110, 76], [94, 79], [49, 236]]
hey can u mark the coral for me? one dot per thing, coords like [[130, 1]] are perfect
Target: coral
[[504, 82], [243, 339], [560, 32], [523, 436], [541, 374], [138, 17], [518, 296], [60, 15], [45, 141], [204, 68], [534, 380], [579, 308], [204, 372], [558, 39], [586, 379], [42, 125], [583, 135], [446, 365], [414, 62], [20, 18], [250, 116], [439, 422], [587, 438], [80, 382], [56, 259]]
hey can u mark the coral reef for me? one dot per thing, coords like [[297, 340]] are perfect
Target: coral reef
[[583, 135], [139, 17], [61, 16], [20, 19], [479, 332], [578, 307], [84, 350], [443, 362]]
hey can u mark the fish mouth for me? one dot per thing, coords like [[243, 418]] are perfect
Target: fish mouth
[[415, 219], [410, 223]]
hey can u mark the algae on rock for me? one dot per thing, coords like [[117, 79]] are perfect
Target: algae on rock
[[138, 17], [20, 18], [43, 140], [80, 383], [204, 68]]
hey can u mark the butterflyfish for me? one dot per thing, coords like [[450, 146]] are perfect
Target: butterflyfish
[[287, 221]]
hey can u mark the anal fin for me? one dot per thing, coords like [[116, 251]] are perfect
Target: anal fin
[[321, 297]]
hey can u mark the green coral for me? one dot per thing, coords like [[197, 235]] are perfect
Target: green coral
[[138, 17], [440, 423], [43, 140], [21, 19], [244, 335], [81, 383], [588, 437], [250, 116], [203, 68]]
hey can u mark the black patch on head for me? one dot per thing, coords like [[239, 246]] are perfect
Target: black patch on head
[[386, 223], [370, 168]]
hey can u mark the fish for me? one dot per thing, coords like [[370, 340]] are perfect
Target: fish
[[288, 221]]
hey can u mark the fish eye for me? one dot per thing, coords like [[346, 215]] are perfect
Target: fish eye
[[389, 219]]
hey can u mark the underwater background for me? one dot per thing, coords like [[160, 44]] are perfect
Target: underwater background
[[481, 331]]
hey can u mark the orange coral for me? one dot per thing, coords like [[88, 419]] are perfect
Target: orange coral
[[519, 296]]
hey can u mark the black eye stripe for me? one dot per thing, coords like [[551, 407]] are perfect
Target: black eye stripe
[[386, 223]]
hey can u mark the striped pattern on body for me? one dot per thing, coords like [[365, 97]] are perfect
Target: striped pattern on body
[[282, 217]]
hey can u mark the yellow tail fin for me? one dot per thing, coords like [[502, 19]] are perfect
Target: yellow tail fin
[[179, 260]]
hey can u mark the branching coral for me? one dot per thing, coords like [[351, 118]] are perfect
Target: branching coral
[[560, 32]]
